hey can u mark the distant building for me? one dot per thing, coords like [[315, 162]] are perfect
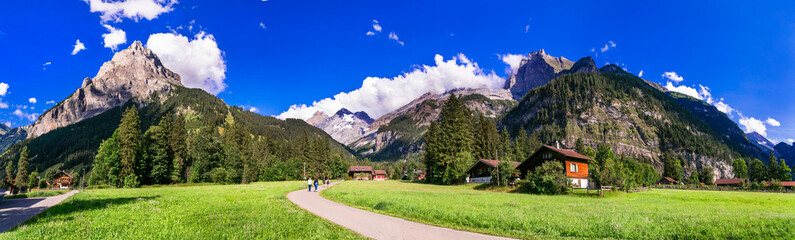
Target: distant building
[[733, 182], [61, 180], [380, 175], [575, 164], [790, 185], [667, 181], [419, 175], [480, 172], [361, 172]]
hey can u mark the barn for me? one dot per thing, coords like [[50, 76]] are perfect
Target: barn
[[480, 172], [733, 182], [575, 164]]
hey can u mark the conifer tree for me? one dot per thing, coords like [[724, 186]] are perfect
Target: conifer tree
[[521, 146], [21, 180], [130, 146], [757, 171], [773, 171], [178, 145], [740, 168], [9, 179], [785, 172]]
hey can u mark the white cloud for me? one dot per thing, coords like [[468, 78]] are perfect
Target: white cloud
[[3, 105], [640, 74], [723, 107], [791, 141], [526, 28], [376, 26], [50, 102], [684, 90], [513, 60], [32, 100], [673, 77], [605, 48], [612, 44], [753, 125], [47, 63], [608, 45], [262, 25], [772, 122], [28, 116], [370, 33], [253, 109], [114, 37], [78, 47], [378, 96], [132, 9], [394, 36], [199, 62], [3, 88]]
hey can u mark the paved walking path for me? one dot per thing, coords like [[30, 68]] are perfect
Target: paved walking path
[[16, 211], [373, 225]]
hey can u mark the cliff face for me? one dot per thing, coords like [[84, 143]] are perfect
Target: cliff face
[[534, 71], [344, 126], [133, 74]]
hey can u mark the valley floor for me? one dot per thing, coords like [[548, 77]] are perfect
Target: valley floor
[[654, 214], [253, 211]]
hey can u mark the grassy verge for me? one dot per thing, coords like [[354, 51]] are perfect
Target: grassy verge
[[254, 211], [37, 194], [654, 214]]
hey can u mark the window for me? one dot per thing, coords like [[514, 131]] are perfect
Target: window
[[547, 155], [573, 167]]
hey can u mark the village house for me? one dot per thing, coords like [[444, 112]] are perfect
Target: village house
[[361, 172], [419, 175], [667, 181], [733, 182], [380, 175], [575, 164], [61, 180], [481, 171]]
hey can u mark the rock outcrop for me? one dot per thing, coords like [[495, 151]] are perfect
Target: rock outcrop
[[133, 74], [534, 71]]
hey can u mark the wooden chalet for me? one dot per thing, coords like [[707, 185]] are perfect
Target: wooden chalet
[[480, 172], [733, 182], [667, 181], [380, 175], [61, 180], [361, 172], [575, 164]]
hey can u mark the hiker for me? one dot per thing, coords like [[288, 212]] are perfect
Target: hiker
[[327, 182], [309, 183], [316, 184]]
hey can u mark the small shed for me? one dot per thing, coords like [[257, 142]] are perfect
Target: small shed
[[667, 181], [361, 172], [731, 182], [62, 180], [480, 172], [380, 175], [575, 164]]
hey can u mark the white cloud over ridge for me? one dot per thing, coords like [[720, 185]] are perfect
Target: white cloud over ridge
[[24, 115], [772, 122], [114, 37], [378, 96], [79, 46], [132, 9], [753, 125], [514, 62], [640, 74], [673, 77], [199, 62]]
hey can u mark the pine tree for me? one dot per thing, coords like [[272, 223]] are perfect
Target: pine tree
[[757, 171], [740, 168], [707, 175], [485, 142], [157, 152], [773, 171], [521, 146], [448, 138], [505, 148], [672, 167], [10, 175], [106, 163], [130, 145], [178, 145], [785, 172], [21, 180]]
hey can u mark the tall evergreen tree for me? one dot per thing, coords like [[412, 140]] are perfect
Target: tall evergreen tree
[[130, 147], [505, 146], [773, 171], [178, 145], [757, 171], [107, 167], [672, 167], [451, 136], [9, 179], [740, 168], [785, 172], [486, 138], [522, 146], [21, 180], [157, 152], [707, 175]]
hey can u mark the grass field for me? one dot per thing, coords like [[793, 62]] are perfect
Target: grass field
[[654, 214], [37, 194], [254, 211]]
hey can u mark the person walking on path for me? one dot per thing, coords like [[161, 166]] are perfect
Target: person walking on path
[[309, 184], [316, 184]]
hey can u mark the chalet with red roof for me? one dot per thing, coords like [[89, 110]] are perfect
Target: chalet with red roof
[[361, 172], [734, 182], [380, 175], [481, 171], [575, 164], [667, 181], [61, 180]]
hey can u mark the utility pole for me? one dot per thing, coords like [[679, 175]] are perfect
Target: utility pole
[[305, 171]]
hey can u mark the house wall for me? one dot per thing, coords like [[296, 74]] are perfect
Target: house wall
[[480, 180], [480, 170], [582, 170], [579, 182], [361, 175]]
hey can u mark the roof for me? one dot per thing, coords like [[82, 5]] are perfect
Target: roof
[[380, 172], [569, 153], [784, 183], [670, 179], [492, 163], [729, 181], [360, 169], [62, 172]]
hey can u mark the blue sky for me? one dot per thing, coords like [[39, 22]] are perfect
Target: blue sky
[[274, 54]]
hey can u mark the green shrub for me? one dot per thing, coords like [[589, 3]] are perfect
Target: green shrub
[[775, 185], [131, 181], [504, 174], [549, 178]]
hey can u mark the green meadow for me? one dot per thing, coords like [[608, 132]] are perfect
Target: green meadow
[[253, 211], [653, 214]]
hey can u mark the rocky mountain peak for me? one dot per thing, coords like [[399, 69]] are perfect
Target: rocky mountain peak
[[343, 111], [135, 73], [344, 126], [585, 64], [534, 71]]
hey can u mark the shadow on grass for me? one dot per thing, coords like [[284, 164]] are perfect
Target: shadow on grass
[[71, 206]]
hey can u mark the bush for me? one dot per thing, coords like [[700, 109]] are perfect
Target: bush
[[218, 175], [131, 181], [549, 178], [775, 185], [506, 175]]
